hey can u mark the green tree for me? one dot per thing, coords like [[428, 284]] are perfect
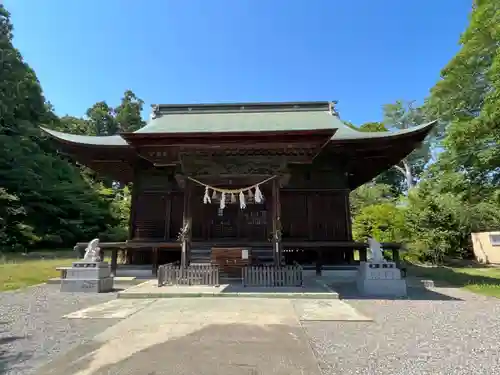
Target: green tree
[[102, 120], [44, 199], [382, 221], [75, 125], [467, 99], [373, 127], [128, 113], [370, 194], [460, 192], [439, 224], [403, 115]]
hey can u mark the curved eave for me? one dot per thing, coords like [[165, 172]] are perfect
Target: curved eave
[[108, 156], [348, 134], [87, 140], [400, 147], [369, 154]]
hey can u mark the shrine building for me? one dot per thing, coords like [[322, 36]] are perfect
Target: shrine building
[[273, 178]]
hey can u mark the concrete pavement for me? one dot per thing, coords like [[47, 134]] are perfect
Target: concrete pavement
[[150, 289], [202, 336]]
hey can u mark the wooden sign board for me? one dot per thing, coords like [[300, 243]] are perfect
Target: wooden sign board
[[244, 253]]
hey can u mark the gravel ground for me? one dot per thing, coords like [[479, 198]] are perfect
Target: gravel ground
[[447, 331], [430, 333], [33, 331]]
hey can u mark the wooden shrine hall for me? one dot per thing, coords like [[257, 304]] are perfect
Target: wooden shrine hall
[[271, 178]]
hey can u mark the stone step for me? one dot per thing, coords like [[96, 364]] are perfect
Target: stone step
[[119, 280], [87, 285], [151, 290], [415, 283], [231, 280]]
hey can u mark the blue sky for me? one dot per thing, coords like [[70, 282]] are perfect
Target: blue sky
[[362, 53]]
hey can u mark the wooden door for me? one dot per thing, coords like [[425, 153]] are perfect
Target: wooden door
[[254, 223], [230, 260], [224, 223]]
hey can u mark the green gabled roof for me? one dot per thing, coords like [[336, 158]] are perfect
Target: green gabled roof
[[244, 117], [346, 133], [241, 117], [258, 117]]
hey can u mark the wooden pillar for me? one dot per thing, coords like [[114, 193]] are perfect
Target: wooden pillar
[[114, 261], [395, 256], [276, 222], [168, 213], [310, 216], [133, 205], [133, 209], [363, 254], [319, 261], [186, 220], [349, 255], [347, 212], [349, 252], [155, 261]]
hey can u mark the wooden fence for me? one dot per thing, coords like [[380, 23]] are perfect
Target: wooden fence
[[272, 276], [194, 274]]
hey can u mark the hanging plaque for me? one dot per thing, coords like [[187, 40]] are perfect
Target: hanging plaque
[[244, 254]]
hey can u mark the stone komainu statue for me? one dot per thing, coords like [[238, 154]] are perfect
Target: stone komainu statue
[[92, 252], [376, 250]]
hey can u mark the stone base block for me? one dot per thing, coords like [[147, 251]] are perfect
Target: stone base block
[[88, 264], [87, 286], [87, 273], [382, 287]]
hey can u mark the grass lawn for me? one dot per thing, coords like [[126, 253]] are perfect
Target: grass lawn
[[481, 280], [19, 271]]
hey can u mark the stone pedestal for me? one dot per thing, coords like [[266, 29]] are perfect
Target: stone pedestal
[[380, 279], [87, 277]]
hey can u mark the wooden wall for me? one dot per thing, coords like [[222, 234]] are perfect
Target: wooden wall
[[315, 203], [152, 203], [315, 215], [314, 206]]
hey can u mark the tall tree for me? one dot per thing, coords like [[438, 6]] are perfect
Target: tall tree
[[43, 198], [75, 125], [102, 120], [370, 194], [467, 99], [128, 113], [403, 115], [460, 193]]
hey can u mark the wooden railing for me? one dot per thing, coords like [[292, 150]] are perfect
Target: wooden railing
[[272, 275], [194, 274]]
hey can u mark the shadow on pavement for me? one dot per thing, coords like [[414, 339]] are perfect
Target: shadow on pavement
[[9, 359], [448, 277], [231, 349], [238, 288], [348, 291]]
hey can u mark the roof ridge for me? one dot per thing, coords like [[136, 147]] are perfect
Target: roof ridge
[[313, 106]]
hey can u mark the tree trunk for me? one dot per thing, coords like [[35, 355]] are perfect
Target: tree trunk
[[407, 173]]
